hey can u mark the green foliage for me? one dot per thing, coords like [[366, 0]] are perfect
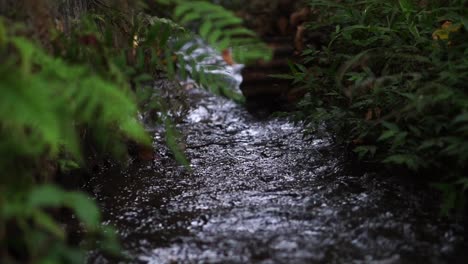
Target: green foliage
[[45, 239], [45, 103], [222, 30], [391, 83], [82, 92]]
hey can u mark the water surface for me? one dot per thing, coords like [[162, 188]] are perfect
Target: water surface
[[259, 191]]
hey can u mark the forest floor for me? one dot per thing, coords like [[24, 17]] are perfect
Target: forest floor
[[258, 191]]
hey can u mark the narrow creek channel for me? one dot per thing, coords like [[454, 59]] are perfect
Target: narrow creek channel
[[260, 192]]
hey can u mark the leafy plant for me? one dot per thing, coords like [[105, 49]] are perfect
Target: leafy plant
[[220, 29], [390, 83], [83, 89], [45, 103]]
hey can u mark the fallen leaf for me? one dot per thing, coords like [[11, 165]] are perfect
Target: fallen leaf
[[145, 153], [227, 57]]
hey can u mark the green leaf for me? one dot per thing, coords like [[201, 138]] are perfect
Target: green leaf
[[362, 151], [406, 6], [66, 165], [46, 196], [171, 141], [26, 50], [205, 29], [409, 160], [460, 118], [449, 197], [111, 241], [84, 208], [132, 128], [390, 126], [387, 134], [45, 221]]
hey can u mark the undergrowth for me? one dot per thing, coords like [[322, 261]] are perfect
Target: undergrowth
[[391, 83], [75, 89]]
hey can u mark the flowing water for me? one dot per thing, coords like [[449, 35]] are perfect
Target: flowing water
[[259, 191]]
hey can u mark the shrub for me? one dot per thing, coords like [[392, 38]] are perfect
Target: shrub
[[391, 84]]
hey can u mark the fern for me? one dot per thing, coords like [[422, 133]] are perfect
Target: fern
[[175, 51], [91, 87], [45, 103], [63, 96], [217, 27], [222, 29]]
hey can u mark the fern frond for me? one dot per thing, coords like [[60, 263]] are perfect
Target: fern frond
[[181, 54], [41, 107], [221, 29]]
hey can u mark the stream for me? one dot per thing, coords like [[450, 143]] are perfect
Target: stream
[[259, 191]]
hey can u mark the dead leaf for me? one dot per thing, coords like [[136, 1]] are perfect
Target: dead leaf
[[227, 57], [145, 153], [443, 33], [299, 38], [300, 16]]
